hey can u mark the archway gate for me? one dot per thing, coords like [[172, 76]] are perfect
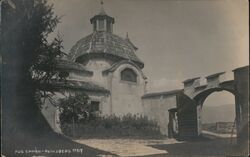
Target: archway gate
[[190, 100]]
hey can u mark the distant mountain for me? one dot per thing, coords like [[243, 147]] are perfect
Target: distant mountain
[[222, 113]]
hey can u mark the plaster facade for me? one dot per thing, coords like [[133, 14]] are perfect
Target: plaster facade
[[157, 108], [126, 95]]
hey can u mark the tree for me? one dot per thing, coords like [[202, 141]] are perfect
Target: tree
[[28, 61], [74, 109]]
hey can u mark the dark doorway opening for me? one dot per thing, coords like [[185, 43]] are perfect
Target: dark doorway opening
[[173, 123]]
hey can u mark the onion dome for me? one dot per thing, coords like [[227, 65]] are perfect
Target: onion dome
[[103, 43]]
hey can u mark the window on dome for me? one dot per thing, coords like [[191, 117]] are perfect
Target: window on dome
[[95, 26], [109, 27], [101, 24], [128, 75]]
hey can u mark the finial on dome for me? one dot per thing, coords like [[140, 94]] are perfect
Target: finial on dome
[[102, 12]]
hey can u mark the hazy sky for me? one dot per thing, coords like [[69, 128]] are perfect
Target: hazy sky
[[177, 40]]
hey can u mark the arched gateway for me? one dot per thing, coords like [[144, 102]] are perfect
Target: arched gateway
[[191, 99]]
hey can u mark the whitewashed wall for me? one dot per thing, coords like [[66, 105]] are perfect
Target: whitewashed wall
[[125, 95], [156, 108]]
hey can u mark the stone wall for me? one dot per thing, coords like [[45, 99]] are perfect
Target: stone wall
[[241, 78], [156, 108], [50, 112], [187, 116]]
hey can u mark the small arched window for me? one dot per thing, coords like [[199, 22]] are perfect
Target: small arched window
[[128, 75]]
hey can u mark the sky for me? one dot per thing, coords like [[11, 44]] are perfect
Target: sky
[[177, 39]]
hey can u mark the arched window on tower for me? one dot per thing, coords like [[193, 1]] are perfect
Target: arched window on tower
[[128, 75]]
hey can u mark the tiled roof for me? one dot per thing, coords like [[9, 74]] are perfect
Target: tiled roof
[[105, 43], [69, 65], [76, 85]]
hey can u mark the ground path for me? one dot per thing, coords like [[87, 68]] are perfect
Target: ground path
[[216, 135], [167, 147], [128, 147]]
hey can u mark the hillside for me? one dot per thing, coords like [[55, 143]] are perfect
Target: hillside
[[222, 113]]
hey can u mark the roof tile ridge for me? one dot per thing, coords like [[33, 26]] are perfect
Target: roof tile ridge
[[126, 52], [105, 42], [91, 42]]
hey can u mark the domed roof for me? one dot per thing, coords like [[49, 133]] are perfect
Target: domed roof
[[106, 44], [103, 43]]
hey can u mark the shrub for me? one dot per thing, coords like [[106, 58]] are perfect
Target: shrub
[[129, 126], [74, 109]]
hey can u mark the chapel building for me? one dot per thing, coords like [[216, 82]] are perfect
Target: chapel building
[[106, 68]]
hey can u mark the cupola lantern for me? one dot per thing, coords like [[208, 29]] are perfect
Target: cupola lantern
[[102, 22]]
